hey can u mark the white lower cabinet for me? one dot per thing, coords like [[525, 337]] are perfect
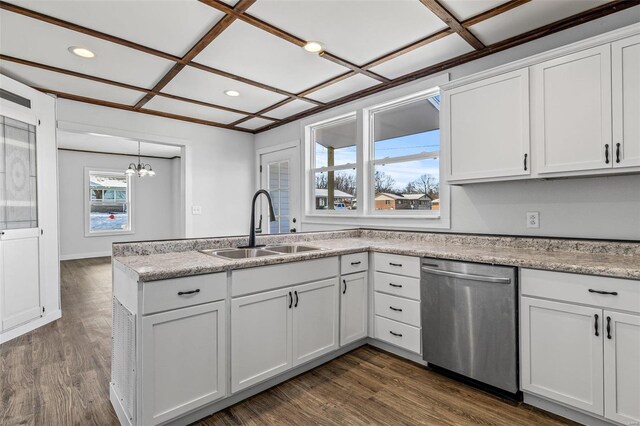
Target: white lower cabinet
[[622, 367], [562, 353], [274, 331], [183, 358], [260, 337], [315, 320], [353, 308], [587, 357]]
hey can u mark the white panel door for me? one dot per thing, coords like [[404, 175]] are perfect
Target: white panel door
[[626, 101], [19, 277], [486, 126], [571, 111], [280, 175], [622, 367], [315, 320], [184, 358], [353, 308], [561, 347], [260, 337]]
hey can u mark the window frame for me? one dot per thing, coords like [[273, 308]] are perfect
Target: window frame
[[88, 171], [371, 162], [311, 170]]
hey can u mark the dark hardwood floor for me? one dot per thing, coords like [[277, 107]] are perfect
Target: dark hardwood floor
[[59, 375]]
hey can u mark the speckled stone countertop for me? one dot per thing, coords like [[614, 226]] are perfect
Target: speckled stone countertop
[[157, 260]]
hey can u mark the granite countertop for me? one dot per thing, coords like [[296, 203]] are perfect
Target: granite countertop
[[621, 260]]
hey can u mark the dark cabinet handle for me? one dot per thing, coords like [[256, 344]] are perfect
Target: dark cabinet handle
[[396, 334], [296, 305], [345, 286], [609, 328], [183, 293], [290, 300], [395, 264], [612, 293], [617, 153], [606, 153], [355, 263], [596, 324], [395, 309], [395, 285], [525, 162]]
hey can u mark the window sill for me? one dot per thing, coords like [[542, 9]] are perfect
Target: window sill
[[108, 233]]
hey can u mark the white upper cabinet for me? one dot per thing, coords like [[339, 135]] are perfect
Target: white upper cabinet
[[626, 101], [571, 111], [486, 128]]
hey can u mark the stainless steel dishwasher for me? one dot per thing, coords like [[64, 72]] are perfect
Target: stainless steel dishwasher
[[469, 320]]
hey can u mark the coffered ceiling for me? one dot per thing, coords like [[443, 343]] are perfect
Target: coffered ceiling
[[177, 58]]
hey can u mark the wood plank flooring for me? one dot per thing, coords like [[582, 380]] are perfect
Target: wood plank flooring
[[59, 375]]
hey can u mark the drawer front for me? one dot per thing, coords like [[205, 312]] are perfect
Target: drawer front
[[395, 264], [164, 295], [398, 308], [398, 334], [356, 262], [397, 285], [576, 288]]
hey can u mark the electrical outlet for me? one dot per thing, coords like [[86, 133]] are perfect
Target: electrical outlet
[[533, 219], [196, 209]]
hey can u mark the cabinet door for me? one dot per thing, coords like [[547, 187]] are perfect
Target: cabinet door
[[315, 320], [622, 367], [260, 337], [19, 277], [486, 127], [183, 354], [626, 101], [572, 111], [353, 308], [561, 347]]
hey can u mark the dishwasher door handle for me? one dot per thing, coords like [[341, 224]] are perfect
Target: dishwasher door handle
[[484, 278]]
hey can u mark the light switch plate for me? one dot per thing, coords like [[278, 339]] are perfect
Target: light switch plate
[[196, 209], [533, 219]]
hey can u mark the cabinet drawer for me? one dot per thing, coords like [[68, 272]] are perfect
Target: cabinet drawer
[[396, 264], [356, 262], [397, 285], [576, 288], [398, 334], [398, 308], [164, 295]]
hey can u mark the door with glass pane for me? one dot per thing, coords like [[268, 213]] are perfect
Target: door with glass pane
[[19, 232], [281, 177]]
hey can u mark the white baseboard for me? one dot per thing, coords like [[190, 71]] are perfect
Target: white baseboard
[[5, 336], [85, 255]]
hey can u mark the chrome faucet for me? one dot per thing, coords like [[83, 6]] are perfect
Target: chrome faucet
[[252, 230]]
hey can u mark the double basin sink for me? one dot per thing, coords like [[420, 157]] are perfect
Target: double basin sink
[[248, 253]]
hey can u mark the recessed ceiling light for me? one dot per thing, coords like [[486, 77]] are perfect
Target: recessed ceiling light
[[313, 46], [233, 93], [83, 52]]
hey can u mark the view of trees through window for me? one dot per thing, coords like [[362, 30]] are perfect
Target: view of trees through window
[[109, 202]]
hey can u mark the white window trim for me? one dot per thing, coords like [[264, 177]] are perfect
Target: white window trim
[[371, 162], [87, 203], [310, 170], [361, 217]]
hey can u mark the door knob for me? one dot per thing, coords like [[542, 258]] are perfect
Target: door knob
[[292, 230]]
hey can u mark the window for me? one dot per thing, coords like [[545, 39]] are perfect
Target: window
[[109, 202], [404, 156], [333, 165]]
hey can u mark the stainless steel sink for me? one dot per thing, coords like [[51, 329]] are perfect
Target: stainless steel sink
[[240, 253], [291, 249]]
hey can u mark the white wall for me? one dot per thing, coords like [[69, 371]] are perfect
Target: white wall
[[605, 207], [153, 203], [219, 163]]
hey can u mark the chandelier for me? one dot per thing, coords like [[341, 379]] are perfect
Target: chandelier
[[141, 169]]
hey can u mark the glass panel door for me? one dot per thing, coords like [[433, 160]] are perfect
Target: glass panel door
[[18, 175]]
